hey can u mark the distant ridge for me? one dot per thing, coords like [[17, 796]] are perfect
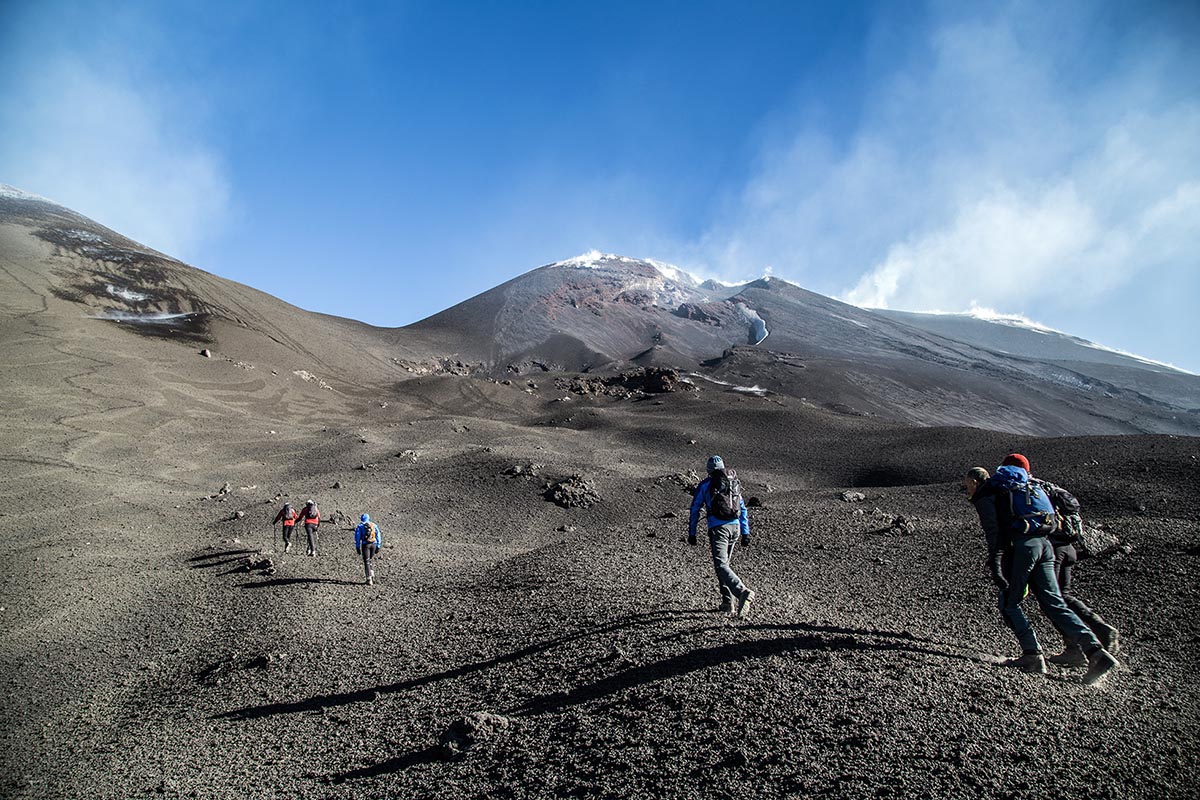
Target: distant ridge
[[606, 313]]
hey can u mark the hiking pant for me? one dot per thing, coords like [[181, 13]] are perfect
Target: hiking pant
[[311, 530], [368, 553], [1065, 558], [287, 534], [1033, 566], [722, 539]]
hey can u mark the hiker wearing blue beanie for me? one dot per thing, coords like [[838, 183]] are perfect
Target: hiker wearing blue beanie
[[367, 539]]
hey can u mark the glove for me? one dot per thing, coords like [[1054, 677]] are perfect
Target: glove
[[692, 539], [995, 564], [999, 579], [745, 541]]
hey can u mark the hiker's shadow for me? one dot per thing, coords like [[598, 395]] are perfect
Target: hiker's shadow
[[219, 559], [332, 700], [273, 582], [808, 638], [398, 764]]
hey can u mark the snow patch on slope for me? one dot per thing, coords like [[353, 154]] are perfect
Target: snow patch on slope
[[126, 294], [755, 390], [155, 318], [13, 193], [594, 259], [1025, 323], [758, 326]]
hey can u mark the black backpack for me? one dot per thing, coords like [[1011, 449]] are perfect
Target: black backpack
[[1066, 508], [724, 495]]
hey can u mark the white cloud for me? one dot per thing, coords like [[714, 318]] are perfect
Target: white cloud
[[108, 146], [1026, 159]]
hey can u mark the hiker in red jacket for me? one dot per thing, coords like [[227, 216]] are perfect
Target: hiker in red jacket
[[311, 518], [288, 516]]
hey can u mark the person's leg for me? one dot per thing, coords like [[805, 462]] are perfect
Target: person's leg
[[1045, 588], [1025, 553], [287, 538], [1064, 559], [1100, 661], [1108, 635], [310, 531], [720, 539], [366, 558]]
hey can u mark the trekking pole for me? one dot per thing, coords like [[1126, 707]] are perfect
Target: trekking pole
[[274, 538]]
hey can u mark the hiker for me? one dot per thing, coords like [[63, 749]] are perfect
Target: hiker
[[1016, 517], [1063, 541], [289, 517], [311, 518], [367, 538], [720, 494]]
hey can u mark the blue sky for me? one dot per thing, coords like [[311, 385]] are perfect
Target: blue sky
[[383, 161]]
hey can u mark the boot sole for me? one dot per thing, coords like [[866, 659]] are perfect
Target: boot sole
[[1097, 675]]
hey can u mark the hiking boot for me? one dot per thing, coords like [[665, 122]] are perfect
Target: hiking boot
[[1033, 663], [1071, 656], [726, 606], [1110, 638], [1100, 663], [743, 604], [287, 547]]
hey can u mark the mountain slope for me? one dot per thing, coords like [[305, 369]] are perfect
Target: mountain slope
[[1060, 357], [607, 312]]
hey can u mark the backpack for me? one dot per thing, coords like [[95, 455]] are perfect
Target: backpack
[[1030, 510], [369, 537], [311, 512], [725, 496], [1066, 508]]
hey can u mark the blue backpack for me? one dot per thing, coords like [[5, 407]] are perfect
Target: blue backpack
[[1031, 511]]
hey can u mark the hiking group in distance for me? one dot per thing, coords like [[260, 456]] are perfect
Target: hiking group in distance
[[1030, 526]]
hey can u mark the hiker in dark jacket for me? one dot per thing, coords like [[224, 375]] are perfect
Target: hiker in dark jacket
[[720, 496], [367, 539], [1020, 558], [1065, 557], [311, 517], [288, 516]]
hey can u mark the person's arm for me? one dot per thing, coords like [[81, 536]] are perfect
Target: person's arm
[[358, 537], [990, 521], [744, 522], [378, 536], [278, 517], [697, 502]]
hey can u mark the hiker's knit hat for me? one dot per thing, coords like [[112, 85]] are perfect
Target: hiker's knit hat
[[715, 463], [1016, 460]]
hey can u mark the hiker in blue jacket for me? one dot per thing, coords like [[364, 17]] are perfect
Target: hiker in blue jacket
[[720, 495], [1065, 557], [367, 539], [1017, 518]]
